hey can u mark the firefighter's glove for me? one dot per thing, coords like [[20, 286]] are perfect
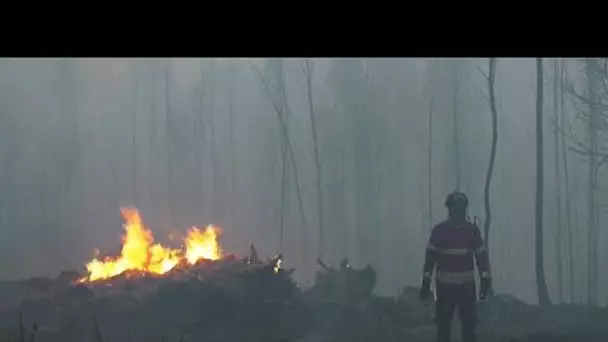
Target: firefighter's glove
[[425, 289], [485, 288]]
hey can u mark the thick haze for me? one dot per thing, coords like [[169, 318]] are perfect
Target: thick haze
[[196, 142]]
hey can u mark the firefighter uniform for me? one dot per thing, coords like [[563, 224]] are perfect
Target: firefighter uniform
[[452, 248]]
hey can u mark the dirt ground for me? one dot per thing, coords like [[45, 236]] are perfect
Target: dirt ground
[[266, 307]]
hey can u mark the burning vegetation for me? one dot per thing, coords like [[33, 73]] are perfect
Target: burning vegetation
[[140, 254]]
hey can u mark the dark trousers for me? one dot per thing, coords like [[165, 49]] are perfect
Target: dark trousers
[[449, 297]]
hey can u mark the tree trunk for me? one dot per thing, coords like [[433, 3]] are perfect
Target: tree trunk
[[541, 286], [558, 189], [455, 86], [592, 195], [215, 177], [283, 121], [281, 107], [488, 220], [566, 184], [134, 115], [201, 138], [169, 142], [233, 153], [430, 168], [282, 204], [580, 296], [308, 73]]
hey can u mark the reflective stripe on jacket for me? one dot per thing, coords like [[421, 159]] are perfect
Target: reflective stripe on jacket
[[443, 277], [449, 251]]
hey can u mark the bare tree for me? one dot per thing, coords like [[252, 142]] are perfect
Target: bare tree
[[284, 186], [9, 152], [355, 94], [215, 175], [308, 73], [200, 138], [233, 155], [566, 181], [430, 164], [169, 129], [541, 285], [282, 110], [206, 128], [134, 115], [491, 78], [455, 83], [558, 189], [592, 109], [592, 217], [592, 112], [63, 177]]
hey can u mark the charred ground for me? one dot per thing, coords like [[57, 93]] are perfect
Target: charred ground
[[245, 299]]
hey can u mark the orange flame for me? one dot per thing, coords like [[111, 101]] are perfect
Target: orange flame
[[140, 254], [202, 245]]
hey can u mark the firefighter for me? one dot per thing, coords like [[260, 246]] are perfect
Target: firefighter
[[452, 247]]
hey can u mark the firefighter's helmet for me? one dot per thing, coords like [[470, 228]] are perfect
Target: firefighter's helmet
[[457, 199]]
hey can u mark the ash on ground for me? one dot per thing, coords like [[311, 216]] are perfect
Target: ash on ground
[[236, 299]]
